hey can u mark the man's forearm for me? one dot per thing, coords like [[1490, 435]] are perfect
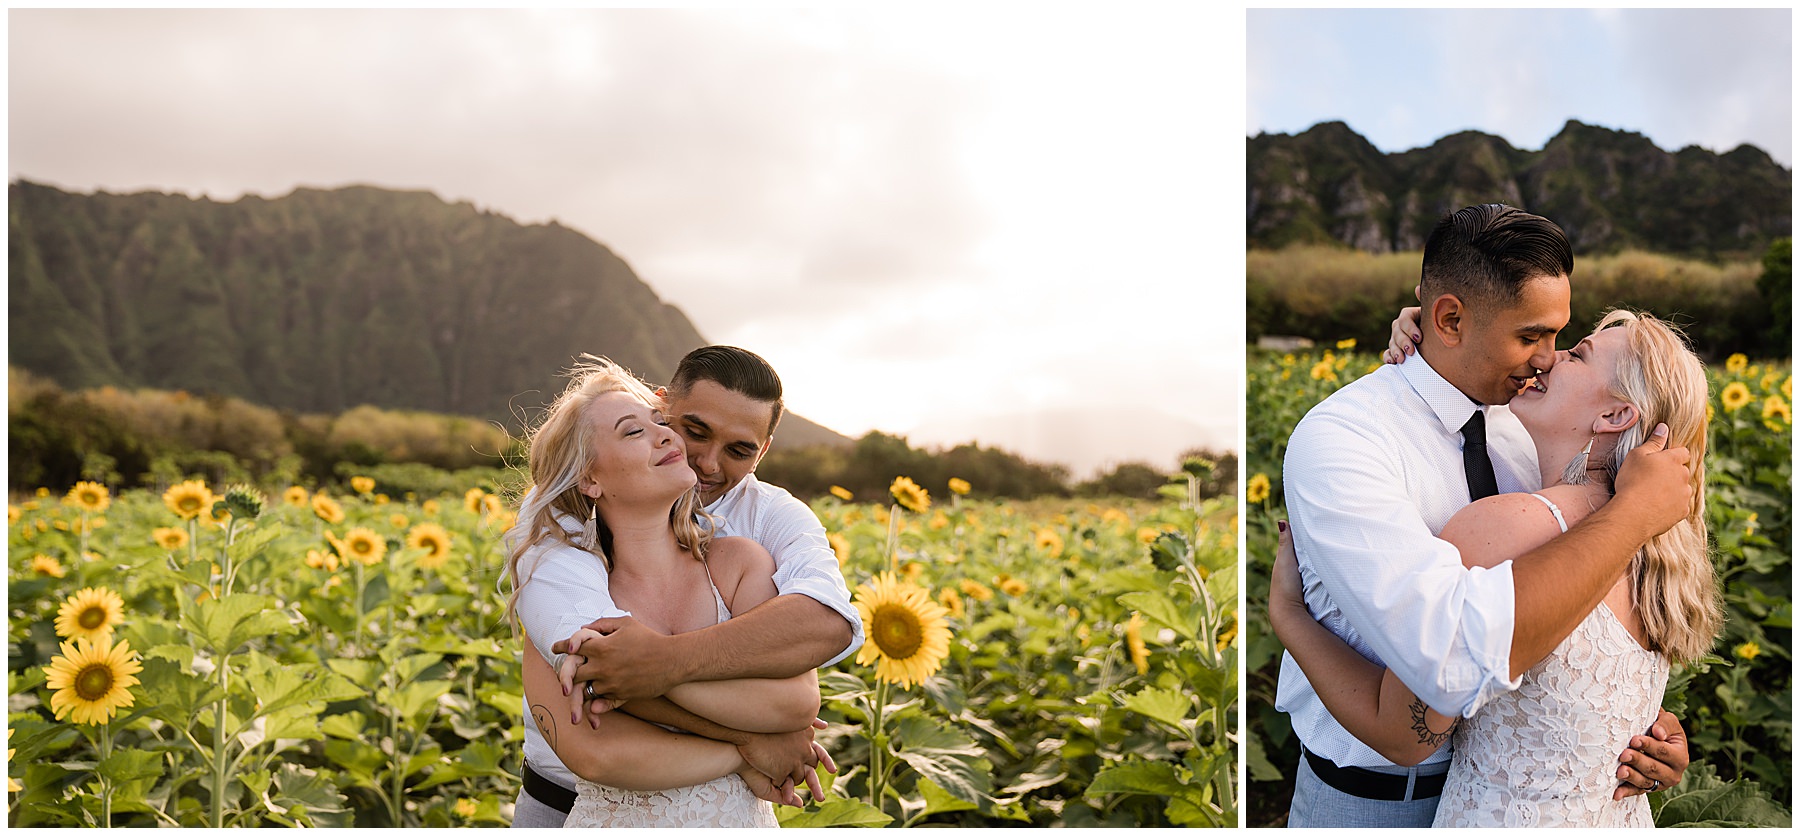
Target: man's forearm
[[1559, 583], [783, 637]]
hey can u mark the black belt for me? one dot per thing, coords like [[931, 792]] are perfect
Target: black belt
[[1367, 783], [551, 794]]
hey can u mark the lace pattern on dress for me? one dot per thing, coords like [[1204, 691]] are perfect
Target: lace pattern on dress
[[1546, 754]]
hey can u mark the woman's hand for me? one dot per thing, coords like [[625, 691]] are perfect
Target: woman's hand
[[580, 701], [1405, 337], [790, 754], [762, 787], [1287, 594]]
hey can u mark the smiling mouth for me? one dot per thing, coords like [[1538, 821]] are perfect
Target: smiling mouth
[[673, 456]]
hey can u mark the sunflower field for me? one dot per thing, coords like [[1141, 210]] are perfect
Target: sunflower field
[[211, 656], [1735, 706]]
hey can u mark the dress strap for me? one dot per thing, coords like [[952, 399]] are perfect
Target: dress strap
[[1554, 511]]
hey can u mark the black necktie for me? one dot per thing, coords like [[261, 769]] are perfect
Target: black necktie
[[1476, 465]]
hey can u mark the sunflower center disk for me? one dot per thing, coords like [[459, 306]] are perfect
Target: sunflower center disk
[[897, 632], [91, 618], [94, 682]]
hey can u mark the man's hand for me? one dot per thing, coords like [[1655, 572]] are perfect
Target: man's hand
[[622, 658], [1655, 761], [1656, 484], [790, 757]]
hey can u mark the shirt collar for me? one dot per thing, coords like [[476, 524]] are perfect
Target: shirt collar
[[731, 497], [1447, 402]]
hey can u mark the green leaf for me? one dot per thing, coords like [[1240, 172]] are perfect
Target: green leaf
[[833, 812], [1137, 778], [172, 696], [1161, 704], [351, 725], [363, 672], [226, 624], [279, 687], [939, 801], [947, 757], [309, 797], [1702, 800], [1160, 608]]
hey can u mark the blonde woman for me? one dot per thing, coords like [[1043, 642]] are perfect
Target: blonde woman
[[1545, 753], [612, 505]]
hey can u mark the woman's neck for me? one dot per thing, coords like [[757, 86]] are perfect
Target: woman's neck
[[1554, 455], [643, 543]]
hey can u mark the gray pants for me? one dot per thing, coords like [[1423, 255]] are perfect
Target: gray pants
[[530, 812], [1318, 804]]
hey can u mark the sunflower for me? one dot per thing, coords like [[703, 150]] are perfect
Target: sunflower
[[1147, 535], [472, 500], [397, 520], [91, 497], [960, 487], [841, 546], [11, 785], [188, 499], [952, 602], [1736, 363], [1134, 642], [910, 496], [361, 545], [1322, 370], [91, 680], [1229, 634], [327, 509], [44, 564], [1050, 541], [90, 614], [362, 484], [13, 513], [841, 492], [434, 540], [913, 570], [1346, 345], [939, 522], [466, 808], [907, 637], [1013, 587], [1734, 397], [1257, 489], [170, 538], [430, 507], [295, 496], [1773, 406], [1748, 651], [319, 559], [975, 589]]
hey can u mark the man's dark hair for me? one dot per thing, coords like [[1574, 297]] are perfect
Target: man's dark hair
[[736, 369], [1485, 254]]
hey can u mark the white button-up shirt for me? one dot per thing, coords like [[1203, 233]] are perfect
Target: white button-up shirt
[[1372, 474], [566, 587]]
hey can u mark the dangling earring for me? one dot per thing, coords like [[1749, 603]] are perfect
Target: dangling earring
[[1590, 445], [590, 531]]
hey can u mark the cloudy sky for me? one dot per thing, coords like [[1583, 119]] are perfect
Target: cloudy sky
[[1403, 78], [978, 225]]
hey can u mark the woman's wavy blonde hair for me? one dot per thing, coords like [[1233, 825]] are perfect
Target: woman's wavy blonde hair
[[558, 456], [1674, 586]]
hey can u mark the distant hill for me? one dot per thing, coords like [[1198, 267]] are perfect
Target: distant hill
[[1608, 189], [323, 300]]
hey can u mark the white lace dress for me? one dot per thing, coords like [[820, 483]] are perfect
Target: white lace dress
[[1546, 755], [721, 802]]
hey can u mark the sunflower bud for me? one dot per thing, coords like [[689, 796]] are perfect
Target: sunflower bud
[[243, 502]]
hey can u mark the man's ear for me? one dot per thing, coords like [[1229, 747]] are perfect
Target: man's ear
[[763, 451], [1416, 295], [1446, 317], [1618, 418], [662, 392]]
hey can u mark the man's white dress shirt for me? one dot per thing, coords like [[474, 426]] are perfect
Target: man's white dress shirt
[[1372, 474], [566, 587]]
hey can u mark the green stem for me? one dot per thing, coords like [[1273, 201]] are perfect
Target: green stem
[[218, 794], [878, 761], [105, 785], [359, 607]]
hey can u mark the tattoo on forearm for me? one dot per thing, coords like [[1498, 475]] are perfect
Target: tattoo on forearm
[[1426, 735], [541, 716]]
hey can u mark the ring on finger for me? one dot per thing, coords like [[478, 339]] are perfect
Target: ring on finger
[[1655, 784], [588, 689]]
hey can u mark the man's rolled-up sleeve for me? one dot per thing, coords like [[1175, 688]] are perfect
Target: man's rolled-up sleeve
[[805, 564], [1444, 629], [563, 590]]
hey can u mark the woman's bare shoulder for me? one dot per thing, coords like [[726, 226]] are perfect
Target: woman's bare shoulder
[[1491, 531], [738, 557]]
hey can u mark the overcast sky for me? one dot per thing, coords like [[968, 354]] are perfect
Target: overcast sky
[[1021, 229], [1403, 78]]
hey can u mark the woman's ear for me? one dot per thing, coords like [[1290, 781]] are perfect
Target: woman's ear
[[588, 487], [1617, 418]]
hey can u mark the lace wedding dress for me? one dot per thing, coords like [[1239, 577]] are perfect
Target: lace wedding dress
[[1546, 755], [721, 802]]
